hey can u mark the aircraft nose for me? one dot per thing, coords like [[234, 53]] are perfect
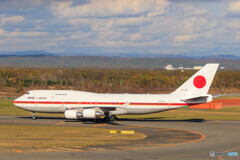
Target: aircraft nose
[[16, 101]]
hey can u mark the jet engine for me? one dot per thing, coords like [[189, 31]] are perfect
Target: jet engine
[[91, 113], [86, 113], [72, 114]]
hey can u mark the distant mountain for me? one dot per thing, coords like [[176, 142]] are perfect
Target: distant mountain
[[220, 56], [150, 55], [34, 53], [101, 62], [41, 53], [43, 59]]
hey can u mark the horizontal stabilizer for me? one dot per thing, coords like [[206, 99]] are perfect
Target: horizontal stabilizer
[[192, 98], [215, 96]]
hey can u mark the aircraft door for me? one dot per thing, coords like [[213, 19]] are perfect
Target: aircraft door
[[36, 102]]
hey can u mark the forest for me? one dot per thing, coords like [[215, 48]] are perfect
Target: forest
[[20, 80], [101, 62]]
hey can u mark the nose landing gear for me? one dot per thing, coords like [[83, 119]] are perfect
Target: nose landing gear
[[34, 116]]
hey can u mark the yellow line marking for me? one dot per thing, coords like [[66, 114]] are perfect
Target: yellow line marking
[[176, 133], [136, 127], [17, 150], [203, 137], [159, 144], [164, 129], [170, 129], [126, 132], [220, 157], [100, 125], [60, 123], [188, 136], [228, 151], [127, 148], [176, 140]]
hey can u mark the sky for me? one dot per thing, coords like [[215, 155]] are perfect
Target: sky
[[181, 27]]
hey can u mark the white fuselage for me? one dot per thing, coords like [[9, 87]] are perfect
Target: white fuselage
[[57, 101]]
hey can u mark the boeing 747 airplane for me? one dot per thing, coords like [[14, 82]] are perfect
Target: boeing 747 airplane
[[79, 104]]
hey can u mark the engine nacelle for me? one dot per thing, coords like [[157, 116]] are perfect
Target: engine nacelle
[[86, 113], [91, 113], [72, 114]]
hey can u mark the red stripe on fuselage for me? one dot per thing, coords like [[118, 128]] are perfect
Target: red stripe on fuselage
[[101, 103]]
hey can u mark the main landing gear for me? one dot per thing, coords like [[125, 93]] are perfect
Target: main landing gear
[[34, 116], [106, 119], [110, 118]]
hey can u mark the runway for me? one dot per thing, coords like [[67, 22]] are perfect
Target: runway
[[172, 139]]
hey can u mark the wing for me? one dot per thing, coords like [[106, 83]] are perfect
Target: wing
[[72, 111], [102, 107]]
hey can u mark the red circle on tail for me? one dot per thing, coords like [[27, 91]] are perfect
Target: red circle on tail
[[199, 82]]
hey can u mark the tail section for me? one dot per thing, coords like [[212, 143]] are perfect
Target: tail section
[[200, 82]]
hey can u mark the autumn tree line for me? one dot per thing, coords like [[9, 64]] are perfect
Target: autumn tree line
[[19, 80]]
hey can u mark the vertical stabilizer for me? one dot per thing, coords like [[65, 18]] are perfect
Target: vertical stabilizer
[[200, 82]]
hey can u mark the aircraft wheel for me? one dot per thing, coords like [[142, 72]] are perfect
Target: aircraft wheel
[[111, 118], [98, 120], [34, 116], [105, 119]]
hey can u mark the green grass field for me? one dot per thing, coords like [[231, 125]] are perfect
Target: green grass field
[[226, 113], [44, 138], [52, 138], [227, 97]]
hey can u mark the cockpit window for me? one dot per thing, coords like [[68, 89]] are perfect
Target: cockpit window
[[27, 93]]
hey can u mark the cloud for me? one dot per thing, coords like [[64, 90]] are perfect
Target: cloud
[[2, 32], [16, 4], [235, 7], [27, 34], [190, 10], [13, 19], [197, 12], [106, 8], [197, 24], [136, 37], [192, 1], [120, 43], [237, 36], [131, 21], [186, 38], [105, 24], [233, 24], [130, 26], [52, 44]]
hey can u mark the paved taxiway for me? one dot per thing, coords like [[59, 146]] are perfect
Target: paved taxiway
[[192, 139]]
